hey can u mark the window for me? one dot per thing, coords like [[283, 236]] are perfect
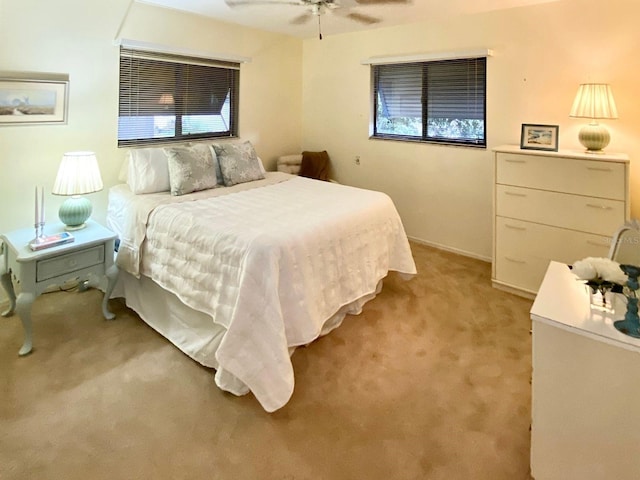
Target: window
[[437, 101], [166, 97]]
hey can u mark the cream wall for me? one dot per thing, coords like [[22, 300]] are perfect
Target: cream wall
[[542, 53], [75, 37]]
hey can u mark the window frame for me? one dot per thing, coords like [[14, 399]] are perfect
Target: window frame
[[424, 63], [182, 62]]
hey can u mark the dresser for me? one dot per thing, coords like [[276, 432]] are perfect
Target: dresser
[[560, 206], [585, 417]]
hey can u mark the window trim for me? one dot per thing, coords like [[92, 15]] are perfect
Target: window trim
[[427, 57]]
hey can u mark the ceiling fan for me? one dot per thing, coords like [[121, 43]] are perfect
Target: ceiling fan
[[317, 8]]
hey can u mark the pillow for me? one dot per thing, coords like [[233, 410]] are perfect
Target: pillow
[[123, 174], [216, 164], [191, 168], [148, 171], [262, 169], [238, 163], [315, 165]]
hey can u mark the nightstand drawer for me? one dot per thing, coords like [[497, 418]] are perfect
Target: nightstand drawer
[[53, 267]]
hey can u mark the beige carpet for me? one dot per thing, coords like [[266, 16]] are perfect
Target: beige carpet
[[431, 381]]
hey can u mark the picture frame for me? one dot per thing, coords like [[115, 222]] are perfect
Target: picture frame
[[33, 100], [539, 137]]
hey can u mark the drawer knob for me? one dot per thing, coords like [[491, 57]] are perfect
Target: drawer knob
[[599, 169], [514, 260], [515, 194], [597, 244], [513, 160], [601, 207], [515, 227]]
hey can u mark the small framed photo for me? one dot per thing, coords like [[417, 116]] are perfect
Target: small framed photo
[[539, 137], [25, 100]]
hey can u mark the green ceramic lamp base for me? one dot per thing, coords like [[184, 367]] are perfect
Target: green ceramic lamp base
[[74, 211]]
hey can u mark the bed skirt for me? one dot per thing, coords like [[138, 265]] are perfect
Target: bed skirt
[[195, 333]]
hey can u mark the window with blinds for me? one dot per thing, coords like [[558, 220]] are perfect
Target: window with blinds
[[436, 101], [166, 97]]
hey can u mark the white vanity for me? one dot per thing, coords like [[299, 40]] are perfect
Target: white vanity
[[585, 386]]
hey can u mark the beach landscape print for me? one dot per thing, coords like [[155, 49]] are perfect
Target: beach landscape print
[[539, 137], [32, 101]]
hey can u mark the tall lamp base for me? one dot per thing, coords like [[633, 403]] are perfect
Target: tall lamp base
[[74, 212]]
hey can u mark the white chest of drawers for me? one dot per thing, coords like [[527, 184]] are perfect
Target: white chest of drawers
[[560, 206]]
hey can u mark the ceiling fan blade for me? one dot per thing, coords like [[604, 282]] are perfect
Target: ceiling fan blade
[[244, 3], [381, 2], [361, 18], [301, 19]]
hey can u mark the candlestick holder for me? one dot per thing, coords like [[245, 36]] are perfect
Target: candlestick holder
[[39, 227]]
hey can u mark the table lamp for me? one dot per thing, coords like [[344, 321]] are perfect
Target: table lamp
[[594, 101], [78, 175]]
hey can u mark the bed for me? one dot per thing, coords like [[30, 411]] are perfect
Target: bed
[[239, 275]]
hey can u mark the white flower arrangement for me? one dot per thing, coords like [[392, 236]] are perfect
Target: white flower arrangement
[[599, 271]]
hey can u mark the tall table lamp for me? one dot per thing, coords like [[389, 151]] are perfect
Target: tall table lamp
[[594, 101], [78, 174]]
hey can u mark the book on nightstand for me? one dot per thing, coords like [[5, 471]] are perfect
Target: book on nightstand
[[48, 241]]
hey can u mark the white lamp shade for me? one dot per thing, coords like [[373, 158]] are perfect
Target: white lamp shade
[[78, 174], [594, 100]]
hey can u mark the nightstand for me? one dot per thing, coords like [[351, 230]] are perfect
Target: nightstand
[[91, 253]]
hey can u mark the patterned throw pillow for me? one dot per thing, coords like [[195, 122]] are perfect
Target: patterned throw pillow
[[191, 168], [238, 163]]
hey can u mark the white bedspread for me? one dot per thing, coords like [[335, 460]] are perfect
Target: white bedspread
[[271, 264]]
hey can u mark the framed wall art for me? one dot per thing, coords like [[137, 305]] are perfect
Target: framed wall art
[[539, 137], [25, 101]]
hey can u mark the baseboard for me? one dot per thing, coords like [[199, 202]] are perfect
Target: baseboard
[[450, 249], [514, 290]]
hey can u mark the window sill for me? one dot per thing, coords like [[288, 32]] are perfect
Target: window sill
[[428, 142]]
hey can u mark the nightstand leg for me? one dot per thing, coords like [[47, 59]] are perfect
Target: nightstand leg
[[24, 304], [5, 279], [112, 278]]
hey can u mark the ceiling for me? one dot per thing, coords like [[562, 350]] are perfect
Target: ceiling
[[277, 18]]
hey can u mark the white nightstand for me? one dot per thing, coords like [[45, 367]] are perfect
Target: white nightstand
[[91, 253]]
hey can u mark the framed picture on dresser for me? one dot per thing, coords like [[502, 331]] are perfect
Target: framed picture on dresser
[[539, 137]]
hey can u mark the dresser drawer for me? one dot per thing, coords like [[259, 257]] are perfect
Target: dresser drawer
[[604, 179], [53, 267], [574, 212], [547, 243], [524, 250]]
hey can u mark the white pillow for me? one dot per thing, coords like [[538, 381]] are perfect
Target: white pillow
[[123, 174], [261, 165], [148, 171]]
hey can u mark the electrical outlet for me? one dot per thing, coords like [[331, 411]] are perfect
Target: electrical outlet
[[357, 159]]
